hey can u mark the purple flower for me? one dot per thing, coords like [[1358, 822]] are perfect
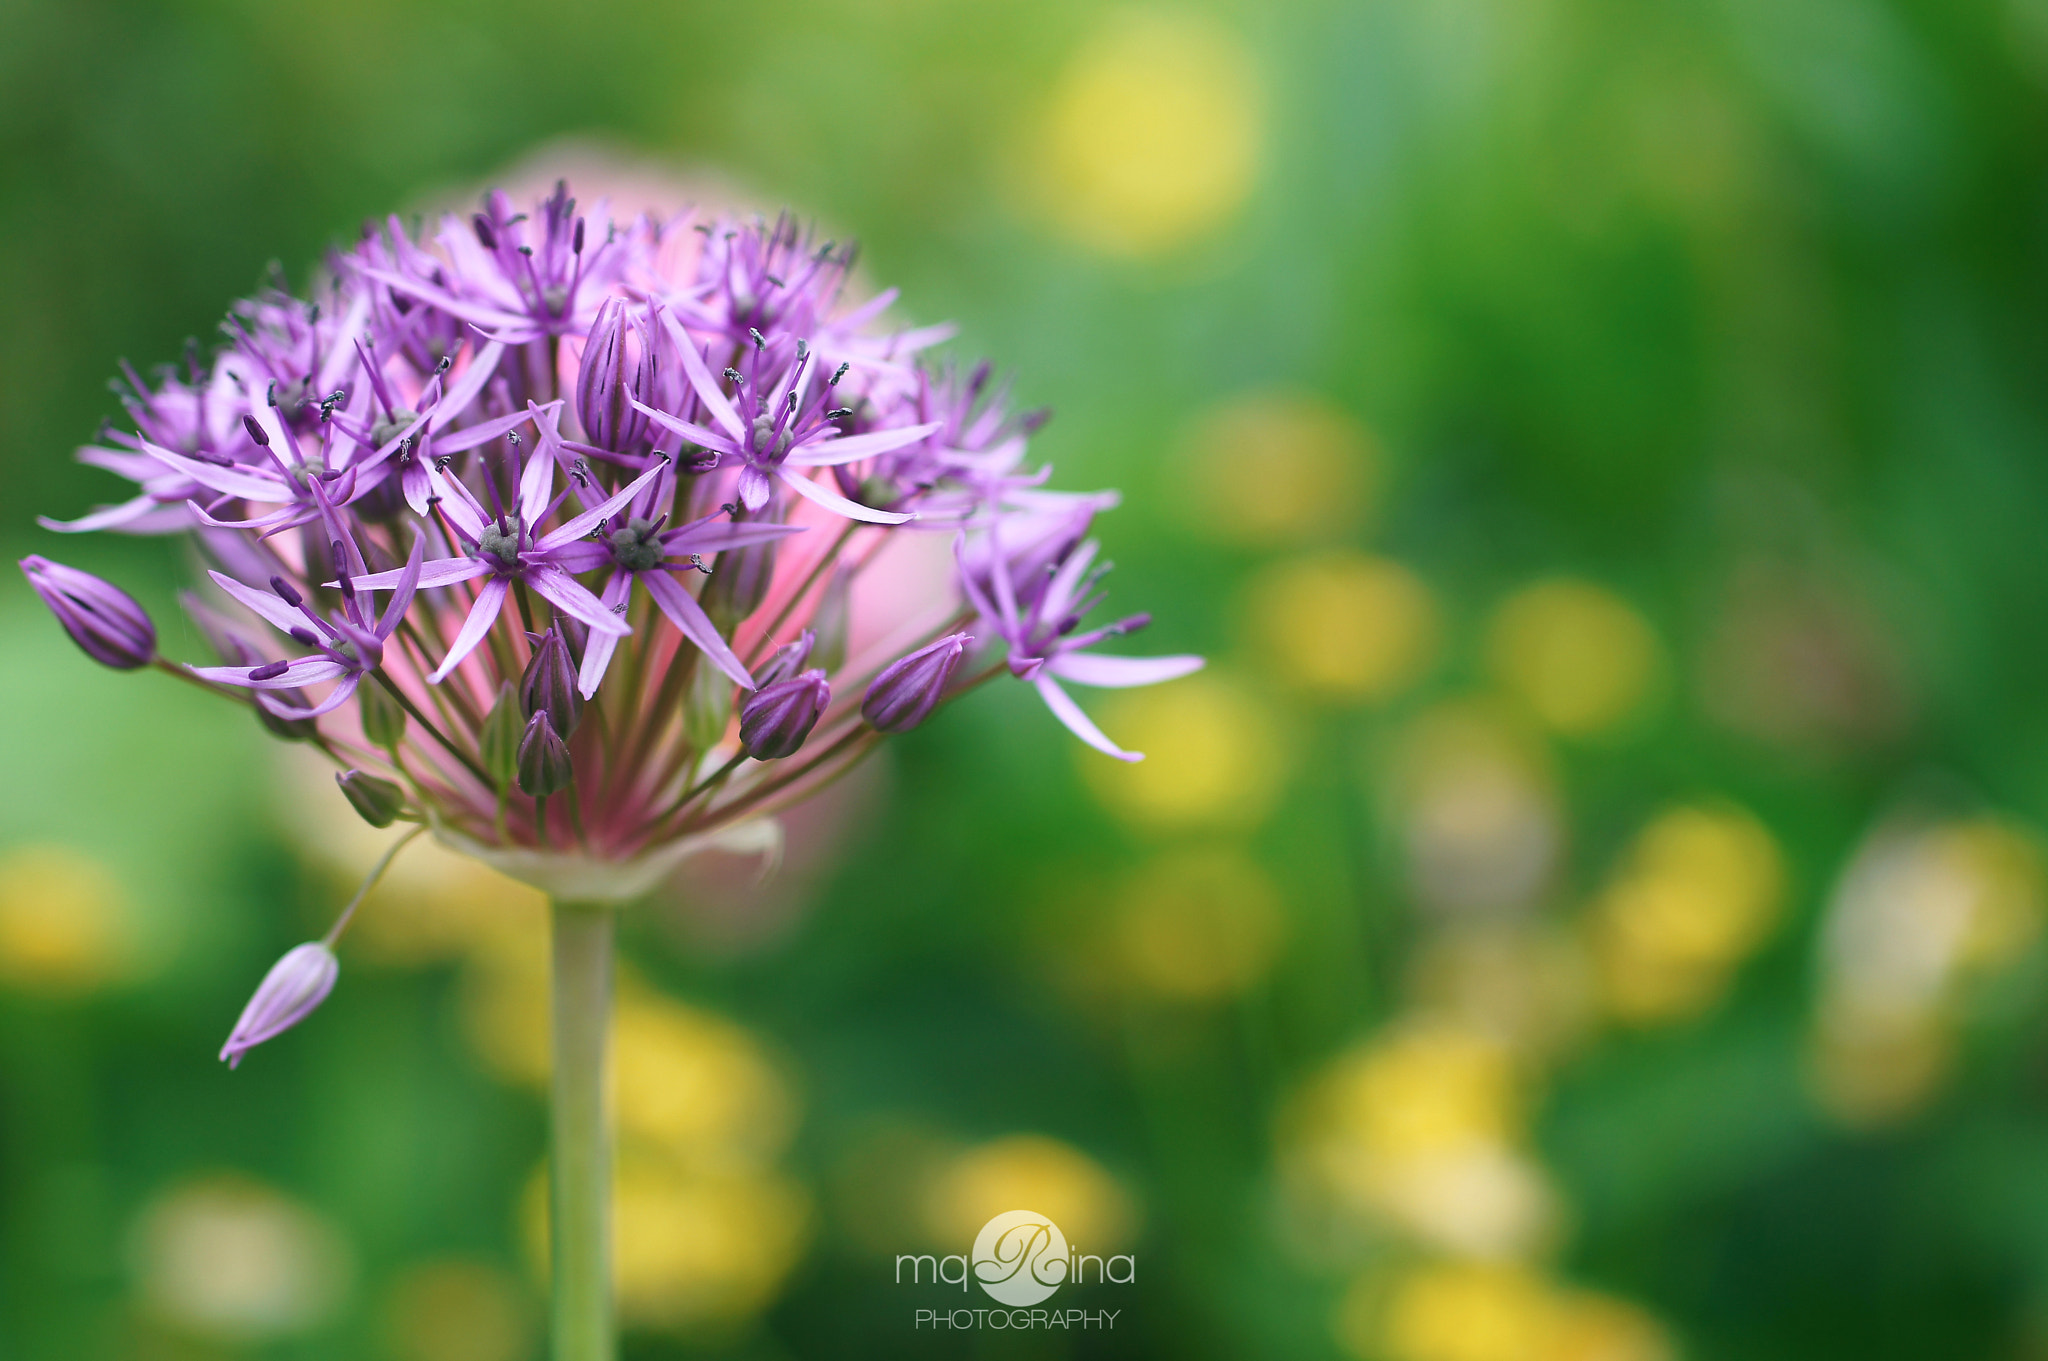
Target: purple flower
[[1037, 617], [346, 647], [287, 995], [102, 619], [909, 688], [778, 427], [779, 717], [504, 548]]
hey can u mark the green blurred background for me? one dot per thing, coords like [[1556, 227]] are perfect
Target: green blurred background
[[1587, 912]]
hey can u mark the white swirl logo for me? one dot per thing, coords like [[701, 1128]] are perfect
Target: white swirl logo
[[1020, 1258]]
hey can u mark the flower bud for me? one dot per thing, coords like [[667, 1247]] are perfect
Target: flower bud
[[833, 621], [707, 705], [778, 717], [383, 717], [544, 766], [788, 660], [739, 583], [287, 995], [550, 685], [102, 619], [609, 373], [908, 689], [379, 801], [498, 743]]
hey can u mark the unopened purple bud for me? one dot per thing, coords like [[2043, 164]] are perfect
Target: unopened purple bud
[[101, 618], [780, 716], [788, 660], [287, 995], [544, 766], [609, 418], [908, 689], [379, 801], [549, 685]]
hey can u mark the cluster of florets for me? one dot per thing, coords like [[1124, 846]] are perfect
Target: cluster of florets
[[594, 537]]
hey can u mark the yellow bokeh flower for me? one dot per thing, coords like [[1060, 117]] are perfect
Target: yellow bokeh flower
[[1477, 809], [1697, 892], [459, 1310], [1029, 1172], [1581, 657], [1152, 133], [696, 1084], [1342, 625], [1278, 468], [64, 922], [1469, 1312], [1213, 756], [1199, 924]]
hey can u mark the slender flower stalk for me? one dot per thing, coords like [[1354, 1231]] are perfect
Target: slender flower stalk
[[581, 542]]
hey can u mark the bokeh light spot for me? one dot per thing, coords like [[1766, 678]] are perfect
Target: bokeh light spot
[[1152, 133], [1581, 657], [226, 1257], [1214, 755], [456, 1310], [1342, 625], [1200, 924], [1030, 1172], [1275, 468], [63, 921]]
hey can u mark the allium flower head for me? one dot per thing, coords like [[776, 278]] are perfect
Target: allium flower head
[[537, 516]]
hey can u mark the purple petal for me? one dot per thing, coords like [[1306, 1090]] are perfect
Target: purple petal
[[1066, 711], [688, 616], [482, 615], [833, 501], [1085, 668]]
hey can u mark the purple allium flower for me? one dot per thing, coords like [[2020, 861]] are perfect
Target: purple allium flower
[[511, 420], [780, 716], [1036, 612], [287, 995], [102, 619], [909, 688]]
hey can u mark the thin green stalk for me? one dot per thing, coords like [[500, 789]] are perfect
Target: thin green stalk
[[413, 709], [579, 1158]]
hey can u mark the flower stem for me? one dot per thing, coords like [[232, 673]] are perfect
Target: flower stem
[[579, 1160]]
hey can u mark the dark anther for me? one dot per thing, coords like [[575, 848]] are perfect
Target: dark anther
[[484, 234], [447, 363], [270, 393], [256, 431], [841, 374], [773, 280], [576, 241], [305, 635], [270, 671], [526, 251], [733, 376], [836, 412], [286, 593], [759, 342]]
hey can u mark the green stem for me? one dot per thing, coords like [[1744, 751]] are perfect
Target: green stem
[[579, 1160]]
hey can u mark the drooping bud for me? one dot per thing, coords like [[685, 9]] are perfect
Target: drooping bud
[[102, 619], [544, 766], [610, 373], [498, 743], [778, 717], [788, 660], [550, 685], [738, 584], [379, 801], [833, 621], [383, 717], [287, 995], [909, 688], [707, 705]]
